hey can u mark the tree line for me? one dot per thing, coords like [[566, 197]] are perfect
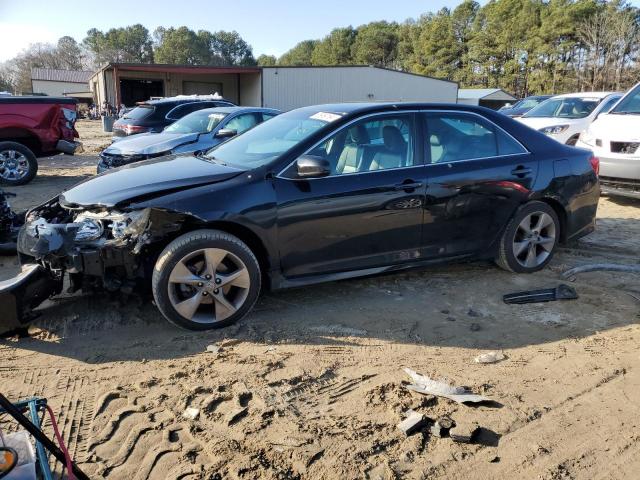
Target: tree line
[[131, 44], [524, 46]]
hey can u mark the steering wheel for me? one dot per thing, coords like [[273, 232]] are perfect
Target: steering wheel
[[8, 461]]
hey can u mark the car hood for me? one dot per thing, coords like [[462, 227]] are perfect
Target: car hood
[[150, 143], [541, 122], [143, 179], [618, 127]]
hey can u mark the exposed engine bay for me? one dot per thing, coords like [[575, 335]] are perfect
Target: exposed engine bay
[[96, 249]]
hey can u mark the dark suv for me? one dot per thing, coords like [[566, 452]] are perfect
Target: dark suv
[[154, 115]]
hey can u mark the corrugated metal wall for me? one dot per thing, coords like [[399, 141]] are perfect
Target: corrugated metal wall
[[57, 89], [288, 88]]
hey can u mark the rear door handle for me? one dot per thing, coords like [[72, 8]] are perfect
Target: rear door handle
[[408, 185], [521, 171]]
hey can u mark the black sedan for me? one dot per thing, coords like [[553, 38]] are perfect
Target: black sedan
[[523, 106], [316, 194]]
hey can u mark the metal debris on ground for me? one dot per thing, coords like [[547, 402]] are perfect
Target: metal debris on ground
[[609, 267], [490, 357], [441, 427], [425, 385], [414, 422], [561, 292], [213, 348], [463, 432]]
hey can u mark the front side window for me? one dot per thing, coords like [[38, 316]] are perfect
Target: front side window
[[567, 107], [630, 104], [242, 123], [378, 143], [454, 137], [198, 122]]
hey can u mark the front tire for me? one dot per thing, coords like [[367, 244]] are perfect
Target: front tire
[[530, 239], [18, 164], [206, 279]]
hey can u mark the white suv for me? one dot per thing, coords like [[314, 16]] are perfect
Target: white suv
[[615, 139], [563, 117]]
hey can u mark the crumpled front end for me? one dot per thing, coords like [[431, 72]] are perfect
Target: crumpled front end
[[94, 248]]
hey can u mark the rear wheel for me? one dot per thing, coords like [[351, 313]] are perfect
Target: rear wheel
[[18, 164], [530, 239], [206, 279]]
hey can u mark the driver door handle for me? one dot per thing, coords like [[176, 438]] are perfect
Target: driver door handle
[[521, 171], [408, 185]]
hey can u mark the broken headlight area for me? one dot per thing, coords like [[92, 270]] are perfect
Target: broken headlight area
[[95, 249], [111, 227]]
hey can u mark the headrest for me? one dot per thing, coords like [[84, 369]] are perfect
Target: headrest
[[393, 139]]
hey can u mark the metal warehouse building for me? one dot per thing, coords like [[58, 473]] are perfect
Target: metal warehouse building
[[283, 88], [485, 97], [70, 83]]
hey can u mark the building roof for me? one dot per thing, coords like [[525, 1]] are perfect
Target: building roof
[[53, 75], [483, 93], [211, 69]]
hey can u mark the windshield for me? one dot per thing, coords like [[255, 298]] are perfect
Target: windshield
[[197, 122], [529, 102], [567, 107], [630, 104], [140, 112], [269, 140]]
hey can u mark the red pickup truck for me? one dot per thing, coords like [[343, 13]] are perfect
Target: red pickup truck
[[32, 126]]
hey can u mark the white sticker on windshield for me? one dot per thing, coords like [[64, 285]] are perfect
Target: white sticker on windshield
[[325, 116]]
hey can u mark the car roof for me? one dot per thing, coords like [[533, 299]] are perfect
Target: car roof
[[585, 95], [230, 110], [186, 99], [355, 108]]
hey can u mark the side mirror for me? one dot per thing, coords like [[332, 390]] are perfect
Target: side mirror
[[8, 460], [310, 166], [226, 133]]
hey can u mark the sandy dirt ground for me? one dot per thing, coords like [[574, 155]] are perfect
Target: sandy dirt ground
[[310, 385]]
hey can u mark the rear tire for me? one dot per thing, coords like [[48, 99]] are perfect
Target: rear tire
[[530, 239], [206, 279], [18, 164]]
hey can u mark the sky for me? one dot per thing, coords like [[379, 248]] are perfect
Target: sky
[[270, 27]]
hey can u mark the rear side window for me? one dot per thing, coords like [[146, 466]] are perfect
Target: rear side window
[[184, 109], [140, 112], [455, 137]]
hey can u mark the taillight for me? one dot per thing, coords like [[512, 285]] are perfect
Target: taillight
[[595, 164], [131, 129]]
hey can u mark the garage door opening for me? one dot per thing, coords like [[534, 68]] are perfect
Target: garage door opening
[[133, 91]]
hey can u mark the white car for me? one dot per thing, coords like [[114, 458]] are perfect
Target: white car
[[615, 139], [564, 117]]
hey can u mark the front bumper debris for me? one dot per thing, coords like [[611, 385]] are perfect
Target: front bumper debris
[[21, 294], [69, 148]]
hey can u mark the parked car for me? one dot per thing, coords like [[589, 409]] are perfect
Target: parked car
[[563, 117], [33, 126], [523, 106], [615, 139], [316, 194], [154, 115], [195, 132]]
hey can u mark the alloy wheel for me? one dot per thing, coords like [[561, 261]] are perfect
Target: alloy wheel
[[13, 165], [534, 239], [208, 285]]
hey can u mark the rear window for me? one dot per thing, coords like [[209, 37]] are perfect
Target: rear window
[[140, 112]]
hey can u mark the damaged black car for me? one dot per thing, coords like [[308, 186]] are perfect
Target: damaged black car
[[316, 194]]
